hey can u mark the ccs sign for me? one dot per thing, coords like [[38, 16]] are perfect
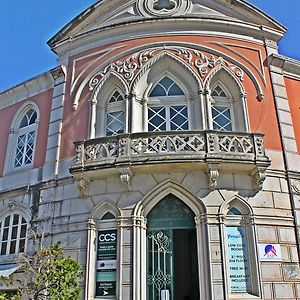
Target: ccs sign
[[107, 237]]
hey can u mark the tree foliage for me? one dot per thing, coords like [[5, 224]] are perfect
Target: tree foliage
[[47, 274]]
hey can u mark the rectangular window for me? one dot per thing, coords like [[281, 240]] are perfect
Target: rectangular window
[[106, 263], [238, 260]]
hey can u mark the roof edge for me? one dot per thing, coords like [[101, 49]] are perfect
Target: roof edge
[[82, 16]]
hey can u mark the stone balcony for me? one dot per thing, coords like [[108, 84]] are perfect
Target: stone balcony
[[211, 149]]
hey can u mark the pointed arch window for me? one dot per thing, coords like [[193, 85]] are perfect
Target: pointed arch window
[[221, 110], [240, 252], [25, 144], [115, 114], [167, 107]]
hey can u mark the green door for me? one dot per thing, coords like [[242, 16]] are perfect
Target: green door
[[172, 252]]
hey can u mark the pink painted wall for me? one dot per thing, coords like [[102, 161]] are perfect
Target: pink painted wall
[[43, 101], [261, 114]]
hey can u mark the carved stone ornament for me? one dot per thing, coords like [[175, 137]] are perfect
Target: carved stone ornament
[[83, 186], [199, 61], [162, 7], [296, 186], [126, 175], [12, 205], [259, 177], [271, 44], [213, 175]]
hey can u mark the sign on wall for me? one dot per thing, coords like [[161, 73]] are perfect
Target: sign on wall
[[269, 252], [106, 263], [238, 260]]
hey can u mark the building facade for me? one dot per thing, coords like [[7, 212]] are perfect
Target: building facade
[[162, 151]]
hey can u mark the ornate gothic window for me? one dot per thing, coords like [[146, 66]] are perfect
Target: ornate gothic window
[[115, 115], [13, 234], [221, 110], [167, 107]]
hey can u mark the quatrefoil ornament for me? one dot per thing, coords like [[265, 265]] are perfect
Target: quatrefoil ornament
[[162, 7]]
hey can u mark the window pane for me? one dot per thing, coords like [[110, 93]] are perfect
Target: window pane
[[14, 232], [6, 222], [218, 92], [5, 234], [115, 123], [157, 119], [221, 118], [32, 117], [3, 248], [175, 90], [179, 117], [116, 97], [16, 219], [22, 246], [12, 249], [158, 91], [108, 216], [166, 87], [23, 231]]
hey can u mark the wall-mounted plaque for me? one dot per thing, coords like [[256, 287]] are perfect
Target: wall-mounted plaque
[[106, 263], [269, 252]]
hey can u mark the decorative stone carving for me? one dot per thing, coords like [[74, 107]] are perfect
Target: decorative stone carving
[[12, 205], [213, 175], [125, 177], [91, 224], [271, 43], [296, 186], [13, 131], [83, 186], [200, 219], [162, 7], [199, 61], [139, 221], [58, 72], [259, 177], [154, 146]]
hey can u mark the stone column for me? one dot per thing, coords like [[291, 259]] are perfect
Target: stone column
[[90, 261]]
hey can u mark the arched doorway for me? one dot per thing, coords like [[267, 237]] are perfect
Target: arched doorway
[[172, 262]]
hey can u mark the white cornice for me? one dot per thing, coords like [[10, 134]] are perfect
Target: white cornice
[[289, 66], [101, 9], [29, 88], [175, 26]]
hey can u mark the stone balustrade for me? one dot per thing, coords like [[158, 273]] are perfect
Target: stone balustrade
[[173, 146]]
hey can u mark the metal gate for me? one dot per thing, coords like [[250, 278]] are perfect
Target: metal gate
[[160, 265]]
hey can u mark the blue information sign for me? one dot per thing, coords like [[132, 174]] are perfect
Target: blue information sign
[[238, 260]]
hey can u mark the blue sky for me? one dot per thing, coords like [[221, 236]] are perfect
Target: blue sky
[[25, 26]]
